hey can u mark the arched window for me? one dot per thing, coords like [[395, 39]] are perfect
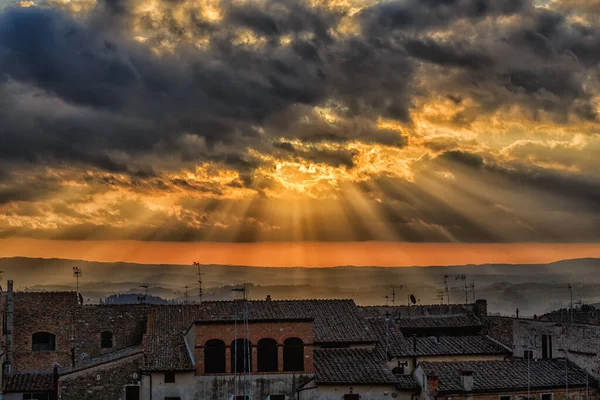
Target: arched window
[[267, 355], [293, 355], [43, 341], [106, 340], [214, 357], [241, 356]]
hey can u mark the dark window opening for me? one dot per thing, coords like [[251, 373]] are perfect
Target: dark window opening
[[351, 396], [547, 396], [106, 340], [528, 354], [241, 356], [43, 341], [36, 396], [169, 377], [214, 357], [277, 397], [132, 393], [293, 355], [241, 397], [505, 397], [398, 370], [546, 346], [267, 355], [172, 398]]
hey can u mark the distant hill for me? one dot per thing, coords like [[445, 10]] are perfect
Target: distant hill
[[533, 288]]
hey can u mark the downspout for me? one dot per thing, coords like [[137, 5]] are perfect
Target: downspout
[[301, 388]]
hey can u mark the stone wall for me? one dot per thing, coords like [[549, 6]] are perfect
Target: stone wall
[[105, 382], [51, 312], [190, 387], [126, 322], [579, 343], [558, 394]]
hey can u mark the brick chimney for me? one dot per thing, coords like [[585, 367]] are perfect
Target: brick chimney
[[432, 384], [467, 380]]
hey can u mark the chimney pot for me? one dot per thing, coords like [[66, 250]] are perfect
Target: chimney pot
[[432, 384], [467, 380]]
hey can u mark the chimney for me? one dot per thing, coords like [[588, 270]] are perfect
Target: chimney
[[481, 308], [517, 313], [268, 297], [10, 303], [432, 384], [467, 380]]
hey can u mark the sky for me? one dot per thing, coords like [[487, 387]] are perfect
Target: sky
[[349, 124]]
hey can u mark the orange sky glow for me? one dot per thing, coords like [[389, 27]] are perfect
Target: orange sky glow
[[307, 254]]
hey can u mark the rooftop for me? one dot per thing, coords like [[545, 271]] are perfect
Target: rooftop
[[508, 375], [334, 321], [357, 366], [38, 381], [400, 346]]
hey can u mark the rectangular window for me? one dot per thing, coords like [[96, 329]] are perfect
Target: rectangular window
[[351, 396], [132, 393], [547, 396], [276, 397], [505, 398], [546, 346], [528, 354], [172, 398], [169, 377]]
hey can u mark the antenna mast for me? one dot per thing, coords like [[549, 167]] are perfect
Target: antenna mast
[[446, 289], [142, 297], [464, 279], [77, 272], [197, 265]]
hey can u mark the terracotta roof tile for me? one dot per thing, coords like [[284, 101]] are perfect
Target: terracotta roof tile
[[399, 345], [18, 382], [357, 366], [509, 375], [334, 321]]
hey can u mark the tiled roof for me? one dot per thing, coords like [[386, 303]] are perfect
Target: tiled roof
[[400, 346], [105, 358], [440, 321], [565, 317], [509, 375], [356, 366], [29, 382], [334, 321]]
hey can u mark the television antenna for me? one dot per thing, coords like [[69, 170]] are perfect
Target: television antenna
[[394, 287], [142, 297], [185, 294], [446, 289], [464, 279], [440, 295], [200, 291], [77, 272]]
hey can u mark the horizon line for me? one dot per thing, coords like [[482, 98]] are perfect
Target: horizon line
[[299, 254]]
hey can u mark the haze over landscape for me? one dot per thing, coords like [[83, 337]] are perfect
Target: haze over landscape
[[302, 133]]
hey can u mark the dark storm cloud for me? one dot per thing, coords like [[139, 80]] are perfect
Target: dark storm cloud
[[429, 50], [334, 158]]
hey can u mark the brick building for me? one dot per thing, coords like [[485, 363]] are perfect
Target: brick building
[[56, 347]]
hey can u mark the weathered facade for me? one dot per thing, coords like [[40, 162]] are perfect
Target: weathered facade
[[538, 339]]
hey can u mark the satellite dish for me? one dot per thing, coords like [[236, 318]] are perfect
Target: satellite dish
[[413, 299]]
